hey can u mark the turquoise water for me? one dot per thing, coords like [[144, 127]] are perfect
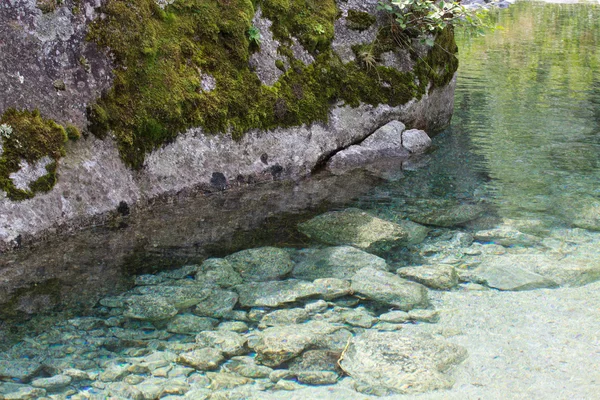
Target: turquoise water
[[515, 177]]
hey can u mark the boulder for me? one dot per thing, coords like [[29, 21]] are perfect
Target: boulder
[[279, 344], [261, 264], [334, 262], [217, 271], [356, 228], [442, 212], [389, 289], [393, 362]]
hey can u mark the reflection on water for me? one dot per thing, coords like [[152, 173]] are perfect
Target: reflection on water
[[529, 98]]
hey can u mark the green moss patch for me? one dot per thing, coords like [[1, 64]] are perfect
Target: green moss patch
[[162, 56], [26, 136], [359, 20]]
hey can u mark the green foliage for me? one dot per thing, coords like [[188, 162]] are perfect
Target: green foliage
[[425, 17], [29, 139], [254, 35]]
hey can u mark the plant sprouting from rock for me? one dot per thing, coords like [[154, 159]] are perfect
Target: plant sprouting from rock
[[5, 131], [426, 17], [254, 35]]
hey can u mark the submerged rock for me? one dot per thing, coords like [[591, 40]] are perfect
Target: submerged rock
[[504, 275], [284, 317], [246, 366], [204, 359], [180, 297], [53, 383], [217, 304], [439, 276], [261, 264], [332, 288], [334, 262], [389, 289], [275, 293], [393, 362], [149, 308], [217, 271], [190, 324], [444, 213], [415, 140], [354, 227], [507, 237], [229, 343], [282, 343], [20, 370]]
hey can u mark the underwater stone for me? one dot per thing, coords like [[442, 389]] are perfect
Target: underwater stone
[[502, 275], [218, 271], [180, 297], [332, 288], [261, 264], [443, 277], [149, 307], [506, 237], [283, 317], [19, 369], [229, 343], [53, 383], [389, 289], [275, 293], [246, 366], [190, 324], [444, 213], [217, 304], [334, 262], [418, 363], [356, 228], [202, 359]]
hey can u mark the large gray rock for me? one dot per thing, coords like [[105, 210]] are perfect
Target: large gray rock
[[334, 262], [389, 289], [282, 343], [439, 276], [393, 362], [354, 227], [261, 264], [274, 294]]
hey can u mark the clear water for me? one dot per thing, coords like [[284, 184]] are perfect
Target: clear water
[[524, 147]]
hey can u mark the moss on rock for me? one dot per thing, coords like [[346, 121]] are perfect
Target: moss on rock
[[162, 56], [359, 20], [28, 137]]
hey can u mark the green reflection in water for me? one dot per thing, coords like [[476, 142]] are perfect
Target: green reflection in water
[[529, 96]]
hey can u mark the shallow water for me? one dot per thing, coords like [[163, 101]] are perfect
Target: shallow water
[[522, 155]]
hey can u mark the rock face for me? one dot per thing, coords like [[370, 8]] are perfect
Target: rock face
[[60, 73], [390, 362]]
